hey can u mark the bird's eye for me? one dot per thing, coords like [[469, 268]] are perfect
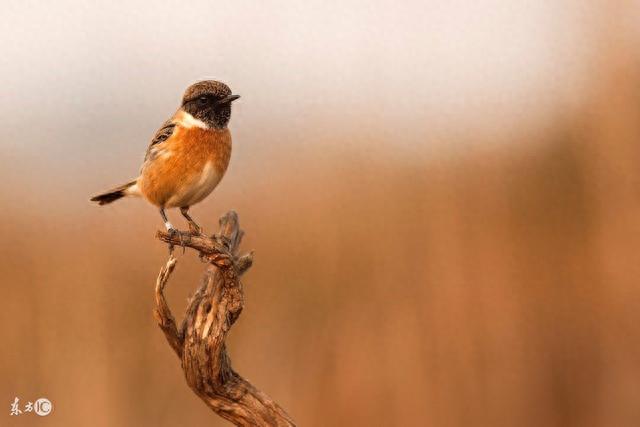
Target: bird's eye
[[203, 100]]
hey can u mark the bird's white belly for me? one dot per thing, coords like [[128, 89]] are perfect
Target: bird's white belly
[[197, 189]]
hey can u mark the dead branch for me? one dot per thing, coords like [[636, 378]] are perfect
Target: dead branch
[[213, 309]]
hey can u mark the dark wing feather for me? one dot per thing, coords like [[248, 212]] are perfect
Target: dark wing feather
[[161, 135]]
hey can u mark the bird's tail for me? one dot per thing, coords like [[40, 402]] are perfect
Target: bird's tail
[[128, 189]]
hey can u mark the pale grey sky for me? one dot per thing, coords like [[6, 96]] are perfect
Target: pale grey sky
[[405, 62]]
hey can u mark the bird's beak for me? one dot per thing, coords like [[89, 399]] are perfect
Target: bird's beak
[[228, 99]]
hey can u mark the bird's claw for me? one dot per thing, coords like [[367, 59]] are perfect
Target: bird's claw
[[194, 228], [172, 233]]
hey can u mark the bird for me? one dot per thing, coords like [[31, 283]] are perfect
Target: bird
[[188, 155]]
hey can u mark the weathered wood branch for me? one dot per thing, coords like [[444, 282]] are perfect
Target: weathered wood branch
[[199, 342]]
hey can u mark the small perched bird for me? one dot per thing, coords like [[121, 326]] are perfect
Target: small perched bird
[[188, 155]]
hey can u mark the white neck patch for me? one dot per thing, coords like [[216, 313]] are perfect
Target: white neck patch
[[186, 120]]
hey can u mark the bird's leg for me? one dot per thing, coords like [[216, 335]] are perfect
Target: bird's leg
[[172, 231], [167, 224], [193, 227]]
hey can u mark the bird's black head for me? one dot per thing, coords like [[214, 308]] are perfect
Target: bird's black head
[[209, 101]]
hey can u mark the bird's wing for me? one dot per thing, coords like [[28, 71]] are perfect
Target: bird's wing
[[156, 146]]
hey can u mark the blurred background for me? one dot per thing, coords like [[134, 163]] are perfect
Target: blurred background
[[443, 197]]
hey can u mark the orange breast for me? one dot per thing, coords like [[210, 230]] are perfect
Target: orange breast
[[187, 166]]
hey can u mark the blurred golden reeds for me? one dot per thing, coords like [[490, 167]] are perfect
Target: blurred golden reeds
[[473, 278]]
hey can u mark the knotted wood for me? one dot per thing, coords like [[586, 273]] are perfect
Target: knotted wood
[[199, 342]]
